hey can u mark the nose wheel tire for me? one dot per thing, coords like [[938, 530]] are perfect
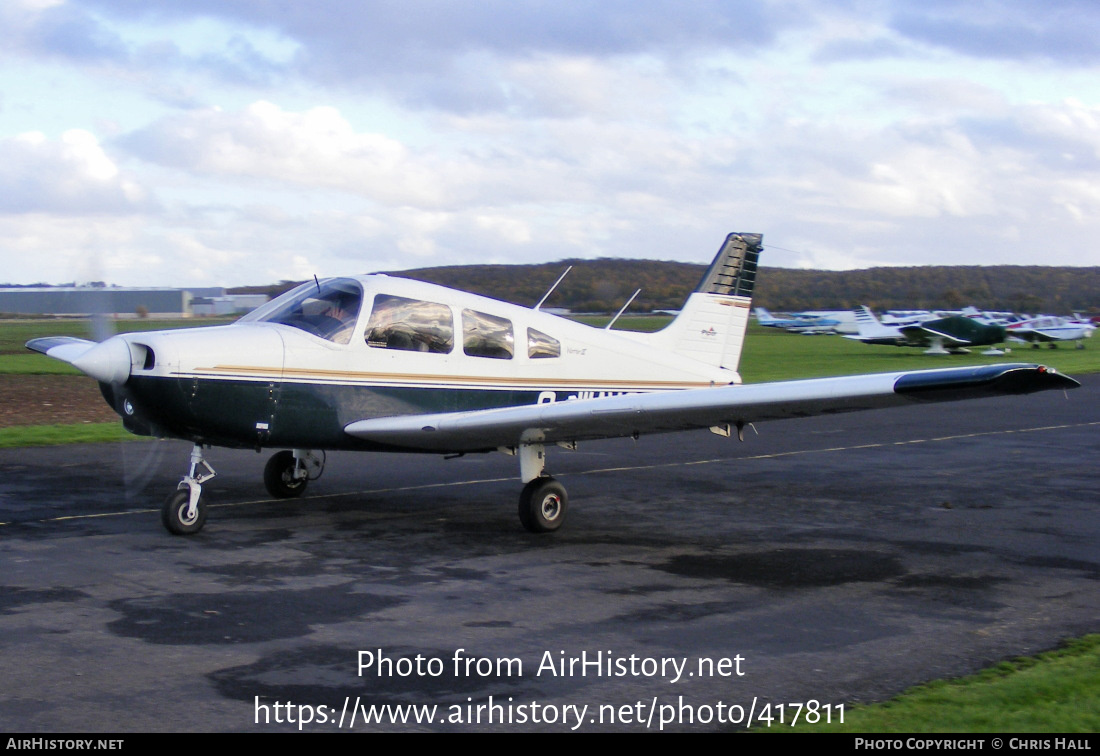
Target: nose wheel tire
[[542, 505], [279, 476], [175, 517]]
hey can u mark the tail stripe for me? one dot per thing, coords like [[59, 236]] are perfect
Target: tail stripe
[[733, 272]]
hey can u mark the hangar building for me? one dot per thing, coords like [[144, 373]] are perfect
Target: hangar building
[[122, 302]]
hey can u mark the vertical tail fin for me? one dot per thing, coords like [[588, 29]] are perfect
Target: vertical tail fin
[[711, 326], [870, 327], [864, 318]]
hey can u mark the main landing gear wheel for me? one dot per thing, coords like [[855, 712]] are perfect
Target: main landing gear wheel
[[281, 476], [542, 505], [174, 513]]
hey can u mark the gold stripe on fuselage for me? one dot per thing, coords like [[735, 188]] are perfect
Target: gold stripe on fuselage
[[303, 375]]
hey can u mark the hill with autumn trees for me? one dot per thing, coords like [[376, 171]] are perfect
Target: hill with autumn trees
[[603, 285]]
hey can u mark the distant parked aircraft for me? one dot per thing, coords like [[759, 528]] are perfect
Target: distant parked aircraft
[[1048, 329], [950, 335], [797, 323]]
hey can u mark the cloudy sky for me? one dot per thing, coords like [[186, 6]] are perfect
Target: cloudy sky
[[210, 142]]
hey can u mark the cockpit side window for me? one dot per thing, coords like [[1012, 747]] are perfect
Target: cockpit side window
[[326, 308], [541, 346], [485, 335], [410, 325]]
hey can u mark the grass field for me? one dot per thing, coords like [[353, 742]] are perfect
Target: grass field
[[54, 435], [1056, 692]]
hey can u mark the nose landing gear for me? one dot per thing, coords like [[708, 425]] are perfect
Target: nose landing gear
[[184, 512]]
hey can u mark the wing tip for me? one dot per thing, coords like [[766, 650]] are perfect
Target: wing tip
[[986, 379]]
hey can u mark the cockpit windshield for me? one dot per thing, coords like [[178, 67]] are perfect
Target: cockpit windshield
[[326, 308]]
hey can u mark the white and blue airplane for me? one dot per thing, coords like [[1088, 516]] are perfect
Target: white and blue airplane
[[797, 323], [376, 363]]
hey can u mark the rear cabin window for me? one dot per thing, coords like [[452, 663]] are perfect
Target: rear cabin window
[[410, 325], [485, 335], [541, 346]]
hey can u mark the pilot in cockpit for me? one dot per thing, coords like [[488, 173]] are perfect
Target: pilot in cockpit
[[339, 316]]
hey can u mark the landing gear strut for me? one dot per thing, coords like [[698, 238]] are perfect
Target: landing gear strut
[[184, 512], [543, 502]]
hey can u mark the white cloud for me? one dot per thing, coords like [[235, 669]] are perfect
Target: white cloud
[[71, 175], [52, 249], [317, 148]]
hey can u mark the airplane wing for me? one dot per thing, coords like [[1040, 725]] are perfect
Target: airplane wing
[[1061, 334], [920, 334], [657, 412], [943, 333], [1032, 334]]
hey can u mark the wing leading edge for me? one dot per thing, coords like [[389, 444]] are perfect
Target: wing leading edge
[[664, 411]]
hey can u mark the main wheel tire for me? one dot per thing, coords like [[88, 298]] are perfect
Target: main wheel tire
[[174, 513], [542, 505], [279, 476]]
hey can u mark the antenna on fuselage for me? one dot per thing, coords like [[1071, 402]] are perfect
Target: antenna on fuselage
[[551, 290], [620, 312], [317, 282]]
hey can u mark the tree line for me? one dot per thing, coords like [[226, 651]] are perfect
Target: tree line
[[604, 285]]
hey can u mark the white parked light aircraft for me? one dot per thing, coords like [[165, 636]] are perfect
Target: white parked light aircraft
[[1050, 329], [376, 363]]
